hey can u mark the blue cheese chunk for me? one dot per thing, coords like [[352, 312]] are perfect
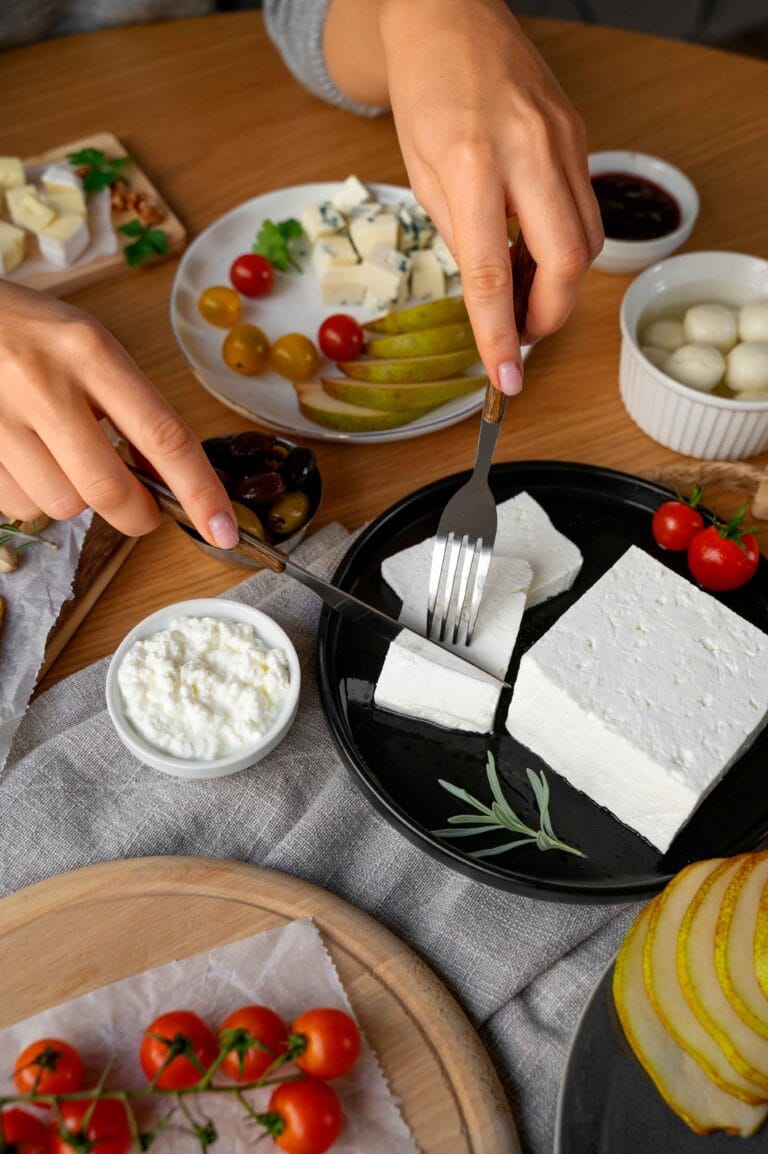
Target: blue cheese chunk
[[322, 219], [350, 196], [12, 247], [342, 286], [65, 240], [416, 230], [444, 257], [643, 694], [427, 277], [385, 272], [373, 230], [330, 251]]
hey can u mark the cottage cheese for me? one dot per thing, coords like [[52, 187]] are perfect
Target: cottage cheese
[[203, 688], [643, 694]]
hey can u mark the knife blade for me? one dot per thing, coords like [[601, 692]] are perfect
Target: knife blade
[[338, 599]]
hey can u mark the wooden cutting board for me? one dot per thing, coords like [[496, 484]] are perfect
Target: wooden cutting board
[[68, 935]]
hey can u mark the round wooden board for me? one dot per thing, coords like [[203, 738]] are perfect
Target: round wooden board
[[72, 933]]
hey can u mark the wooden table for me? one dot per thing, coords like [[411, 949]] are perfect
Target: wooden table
[[211, 113]]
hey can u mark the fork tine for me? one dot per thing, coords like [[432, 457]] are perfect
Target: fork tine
[[466, 583], [453, 551], [437, 572], [483, 565]]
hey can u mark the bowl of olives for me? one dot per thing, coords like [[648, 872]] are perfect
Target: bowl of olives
[[274, 485]]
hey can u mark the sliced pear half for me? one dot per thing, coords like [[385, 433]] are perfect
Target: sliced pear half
[[316, 404], [421, 395], [422, 342], [735, 939], [427, 316], [745, 1049], [666, 993], [400, 370], [681, 1082], [760, 955]]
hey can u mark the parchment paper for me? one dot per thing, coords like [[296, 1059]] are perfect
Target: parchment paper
[[287, 969]]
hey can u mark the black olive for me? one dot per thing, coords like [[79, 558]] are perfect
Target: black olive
[[218, 450], [298, 467], [249, 444], [262, 489]]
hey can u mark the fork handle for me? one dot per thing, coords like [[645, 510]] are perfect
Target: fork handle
[[523, 270]]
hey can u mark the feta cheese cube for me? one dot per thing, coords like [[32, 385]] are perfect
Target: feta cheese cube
[[64, 241], [12, 247], [11, 172], [643, 694], [350, 196], [332, 250], [372, 230], [341, 286], [444, 257], [62, 186], [321, 220], [27, 210], [427, 279], [385, 272], [416, 229]]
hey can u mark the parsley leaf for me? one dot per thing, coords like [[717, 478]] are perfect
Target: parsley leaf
[[274, 242], [148, 242], [101, 171]]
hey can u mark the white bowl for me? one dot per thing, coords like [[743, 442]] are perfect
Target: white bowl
[[623, 256], [269, 631], [695, 423]]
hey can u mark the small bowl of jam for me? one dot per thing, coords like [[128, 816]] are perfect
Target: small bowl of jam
[[648, 208]]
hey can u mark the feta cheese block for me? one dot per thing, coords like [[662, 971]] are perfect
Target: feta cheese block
[[643, 694], [12, 247], [63, 189], [342, 285], [27, 210], [329, 251], [427, 278], [385, 273], [350, 196], [65, 240], [421, 681], [321, 220], [12, 173], [373, 230]]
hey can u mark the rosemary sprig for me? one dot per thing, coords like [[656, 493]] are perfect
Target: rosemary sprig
[[500, 816], [9, 533]]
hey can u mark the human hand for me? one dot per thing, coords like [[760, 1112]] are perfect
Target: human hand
[[61, 372]]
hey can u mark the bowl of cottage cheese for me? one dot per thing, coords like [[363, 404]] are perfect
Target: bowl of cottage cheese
[[204, 688]]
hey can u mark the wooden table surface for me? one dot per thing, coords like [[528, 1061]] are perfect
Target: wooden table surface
[[212, 115]]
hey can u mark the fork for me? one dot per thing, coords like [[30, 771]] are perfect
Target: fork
[[465, 537]]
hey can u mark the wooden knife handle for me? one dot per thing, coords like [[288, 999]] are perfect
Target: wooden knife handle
[[523, 271]]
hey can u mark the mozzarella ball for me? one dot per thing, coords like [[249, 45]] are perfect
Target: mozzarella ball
[[655, 355], [747, 370], [698, 366], [753, 321], [711, 325], [667, 335]]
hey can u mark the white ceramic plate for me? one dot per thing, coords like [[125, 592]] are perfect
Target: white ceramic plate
[[293, 306]]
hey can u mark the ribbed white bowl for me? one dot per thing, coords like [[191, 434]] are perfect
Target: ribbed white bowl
[[695, 423]]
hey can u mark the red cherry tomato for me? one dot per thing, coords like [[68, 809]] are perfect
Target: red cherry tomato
[[720, 563], [167, 1033], [311, 1116], [48, 1066], [249, 1063], [106, 1131], [675, 524], [340, 337], [252, 275], [23, 1133], [332, 1042]]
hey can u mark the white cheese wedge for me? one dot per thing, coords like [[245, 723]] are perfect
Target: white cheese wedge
[[329, 251], [321, 220], [350, 196], [65, 240], [421, 681], [643, 694], [12, 247], [444, 257], [342, 286], [427, 277], [373, 230], [385, 272], [11, 172], [63, 189]]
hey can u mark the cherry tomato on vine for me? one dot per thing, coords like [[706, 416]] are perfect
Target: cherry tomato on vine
[[23, 1133], [310, 1114], [340, 337], [252, 275], [675, 524], [294, 356], [168, 1034], [723, 557], [246, 350], [48, 1066], [332, 1042], [248, 1063], [220, 306], [107, 1131]]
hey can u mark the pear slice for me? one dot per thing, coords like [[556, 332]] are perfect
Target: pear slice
[[681, 1082], [402, 370], [760, 954], [420, 395], [746, 1050], [666, 993], [734, 941], [427, 316], [422, 342], [316, 404]]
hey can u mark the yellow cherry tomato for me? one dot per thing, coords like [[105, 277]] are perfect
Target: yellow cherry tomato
[[294, 356], [246, 350], [220, 306]]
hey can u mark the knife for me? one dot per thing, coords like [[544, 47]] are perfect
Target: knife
[[350, 607]]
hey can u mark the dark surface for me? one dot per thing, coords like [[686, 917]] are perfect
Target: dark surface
[[633, 208], [397, 761], [609, 1105]]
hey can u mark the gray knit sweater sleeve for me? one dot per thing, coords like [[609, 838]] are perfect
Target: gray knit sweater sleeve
[[296, 28]]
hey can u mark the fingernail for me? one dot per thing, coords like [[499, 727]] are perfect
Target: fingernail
[[510, 378], [224, 531]]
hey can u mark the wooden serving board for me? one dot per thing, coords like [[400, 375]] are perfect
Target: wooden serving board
[[131, 915]]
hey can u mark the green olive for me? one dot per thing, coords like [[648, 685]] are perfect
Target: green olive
[[289, 513], [247, 519]]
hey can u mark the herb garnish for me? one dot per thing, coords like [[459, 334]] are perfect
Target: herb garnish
[[274, 241], [501, 816], [9, 533], [101, 171], [148, 242]]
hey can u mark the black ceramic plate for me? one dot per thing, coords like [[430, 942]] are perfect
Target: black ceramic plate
[[609, 1105], [397, 762]]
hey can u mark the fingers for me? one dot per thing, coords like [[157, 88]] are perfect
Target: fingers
[[15, 504], [36, 473]]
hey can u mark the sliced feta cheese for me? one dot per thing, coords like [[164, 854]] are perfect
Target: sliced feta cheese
[[416, 229], [11, 172], [332, 250], [385, 272], [427, 278], [12, 247], [321, 220], [643, 694], [419, 680], [63, 187], [65, 240], [444, 256], [342, 285], [27, 210], [350, 196], [373, 230]]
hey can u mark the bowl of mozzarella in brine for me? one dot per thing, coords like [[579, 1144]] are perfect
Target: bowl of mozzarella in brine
[[694, 354], [204, 688]]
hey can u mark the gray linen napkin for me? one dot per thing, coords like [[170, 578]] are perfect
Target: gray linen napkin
[[73, 795]]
